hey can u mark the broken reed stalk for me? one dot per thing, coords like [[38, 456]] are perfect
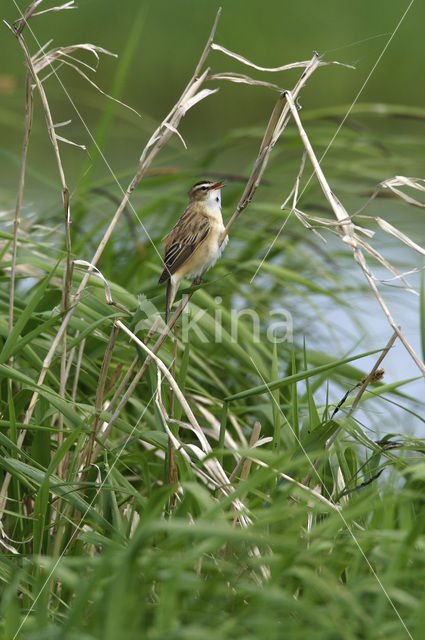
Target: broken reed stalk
[[350, 236]]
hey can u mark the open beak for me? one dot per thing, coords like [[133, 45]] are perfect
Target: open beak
[[217, 185]]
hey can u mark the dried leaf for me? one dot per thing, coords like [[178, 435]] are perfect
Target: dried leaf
[[61, 124], [375, 254], [42, 60], [328, 222], [73, 144], [63, 55], [63, 7], [188, 104], [236, 56], [243, 79], [174, 130], [403, 181], [386, 226], [95, 271]]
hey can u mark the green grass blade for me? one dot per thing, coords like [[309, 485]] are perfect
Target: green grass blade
[[24, 317], [302, 375]]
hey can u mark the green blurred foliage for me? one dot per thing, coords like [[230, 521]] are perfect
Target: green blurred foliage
[[169, 38]]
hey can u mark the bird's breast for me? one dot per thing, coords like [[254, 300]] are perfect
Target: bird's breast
[[207, 254]]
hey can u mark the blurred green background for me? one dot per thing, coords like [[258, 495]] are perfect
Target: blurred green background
[[158, 45], [168, 37]]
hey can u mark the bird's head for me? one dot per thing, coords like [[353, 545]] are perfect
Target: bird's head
[[205, 190]]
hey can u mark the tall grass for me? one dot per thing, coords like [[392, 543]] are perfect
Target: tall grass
[[272, 494]]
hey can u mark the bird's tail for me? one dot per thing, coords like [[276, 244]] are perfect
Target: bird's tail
[[169, 297]]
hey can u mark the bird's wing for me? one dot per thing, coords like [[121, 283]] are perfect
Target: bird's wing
[[184, 238]]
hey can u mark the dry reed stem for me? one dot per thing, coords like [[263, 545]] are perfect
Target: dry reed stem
[[369, 378], [78, 368], [239, 78], [20, 24], [365, 383], [335, 227], [285, 67], [17, 32], [100, 391], [47, 112], [94, 271], [62, 7], [30, 12], [132, 366], [246, 463], [67, 277], [29, 108], [62, 56], [107, 426], [350, 237], [380, 258], [173, 384]]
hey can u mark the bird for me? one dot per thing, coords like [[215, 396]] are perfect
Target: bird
[[193, 244]]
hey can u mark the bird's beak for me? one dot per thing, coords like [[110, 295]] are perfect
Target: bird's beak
[[217, 185]]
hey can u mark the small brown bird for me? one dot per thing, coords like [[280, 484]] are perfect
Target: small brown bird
[[193, 244]]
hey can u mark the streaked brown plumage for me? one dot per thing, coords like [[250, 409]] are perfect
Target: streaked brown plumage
[[192, 246]]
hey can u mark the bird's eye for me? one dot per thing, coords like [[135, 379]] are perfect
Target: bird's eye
[[204, 188]]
